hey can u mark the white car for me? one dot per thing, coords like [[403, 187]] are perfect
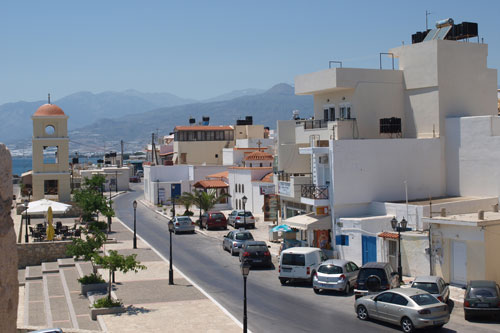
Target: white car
[[300, 264], [238, 219], [183, 224]]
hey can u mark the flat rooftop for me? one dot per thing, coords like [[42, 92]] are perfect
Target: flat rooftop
[[469, 219], [436, 201]]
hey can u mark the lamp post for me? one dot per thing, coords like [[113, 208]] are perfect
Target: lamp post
[[399, 226], [172, 194], [245, 269], [110, 207], [26, 237], [244, 200], [158, 191], [135, 233], [170, 270]]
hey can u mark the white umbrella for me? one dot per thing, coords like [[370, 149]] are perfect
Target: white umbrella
[[42, 206]]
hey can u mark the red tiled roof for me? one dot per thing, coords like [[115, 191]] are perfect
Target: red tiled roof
[[259, 156], [49, 110], [211, 183], [391, 235], [267, 178], [203, 128], [223, 174]]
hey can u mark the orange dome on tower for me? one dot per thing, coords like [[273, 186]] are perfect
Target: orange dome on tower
[[49, 110]]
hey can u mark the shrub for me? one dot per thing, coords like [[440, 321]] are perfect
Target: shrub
[[106, 303], [188, 213], [100, 225], [91, 279]]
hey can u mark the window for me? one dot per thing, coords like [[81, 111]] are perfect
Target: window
[[244, 236], [330, 269], [235, 188], [293, 259], [50, 130], [242, 188], [399, 300], [385, 297], [261, 165], [325, 114], [332, 113], [342, 240], [216, 155], [424, 299], [430, 287], [50, 154]]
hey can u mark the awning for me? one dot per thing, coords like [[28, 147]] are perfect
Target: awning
[[390, 235], [211, 183], [310, 222], [42, 206]]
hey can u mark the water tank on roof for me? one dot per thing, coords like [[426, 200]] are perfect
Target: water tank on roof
[[444, 23], [249, 120], [192, 121], [205, 121]]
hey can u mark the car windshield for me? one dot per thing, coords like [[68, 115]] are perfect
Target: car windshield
[[430, 287], [482, 292], [217, 215], [183, 219], [424, 299], [365, 273], [256, 247], [330, 269], [244, 236], [247, 214], [293, 259]]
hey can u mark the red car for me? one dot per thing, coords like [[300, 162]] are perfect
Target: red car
[[213, 219]]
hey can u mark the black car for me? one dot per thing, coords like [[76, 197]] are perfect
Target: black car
[[256, 253], [481, 298], [374, 277]]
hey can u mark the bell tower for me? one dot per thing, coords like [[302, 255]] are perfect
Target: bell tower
[[51, 174]]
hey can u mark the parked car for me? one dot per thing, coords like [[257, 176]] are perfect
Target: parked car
[[135, 179], [237, 219], [256, 253], [234, 240], [481, 298], [412, 308], [434, 285], [374, 277], [183, 224], [335, 274], [300, 264], [213, 219]]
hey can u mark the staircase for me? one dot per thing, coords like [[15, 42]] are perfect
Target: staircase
[[52, 296]]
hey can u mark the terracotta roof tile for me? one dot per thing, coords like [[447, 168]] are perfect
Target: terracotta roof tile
[[267, 178], [211, 183], [223, 174], [259, 156], [386, 234]]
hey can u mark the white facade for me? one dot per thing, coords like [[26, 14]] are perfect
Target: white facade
[[114, 176], [246, 182]]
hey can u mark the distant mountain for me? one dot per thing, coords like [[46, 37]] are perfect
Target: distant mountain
[[83, 108], [234, 94], [266, 108]]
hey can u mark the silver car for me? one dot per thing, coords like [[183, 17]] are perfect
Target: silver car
[[183, 224], [412, 308], [238, 218], [434, 285], [234, 240], [335, 274]]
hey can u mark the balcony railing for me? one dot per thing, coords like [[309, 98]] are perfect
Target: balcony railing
[[314, 192], [312, 124]]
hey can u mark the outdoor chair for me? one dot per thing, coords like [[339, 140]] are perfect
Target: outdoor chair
[[78, 233], [58, 224]]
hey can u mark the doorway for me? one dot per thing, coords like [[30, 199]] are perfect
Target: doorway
[[459, 263]]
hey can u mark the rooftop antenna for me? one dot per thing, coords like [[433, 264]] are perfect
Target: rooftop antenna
[[49, 98], [258, 144], [427, 13]]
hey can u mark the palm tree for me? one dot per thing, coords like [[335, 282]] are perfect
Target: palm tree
[[204, 200]]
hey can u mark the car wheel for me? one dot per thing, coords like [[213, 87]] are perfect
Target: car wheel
[[312, 277], [362, 312], [407, 325], [347, 288], [223, 247], [317, 291], [232, 251], [283, 281]]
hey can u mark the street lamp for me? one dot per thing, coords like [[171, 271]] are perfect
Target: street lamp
[[26, 237], [170, 270], [158, 191], [399, 226], [244, 200], [172, 194], [135, 233], [245, 269], [110, 207]]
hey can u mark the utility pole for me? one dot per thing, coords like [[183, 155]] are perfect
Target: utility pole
[[427, 13], [154, 157], [121, 159]]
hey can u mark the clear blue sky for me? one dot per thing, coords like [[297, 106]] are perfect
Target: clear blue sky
[[200, 49]]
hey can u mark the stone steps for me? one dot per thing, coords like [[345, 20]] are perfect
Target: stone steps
[[53, 299]]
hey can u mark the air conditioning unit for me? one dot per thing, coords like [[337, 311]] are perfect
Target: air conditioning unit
[[323, 160]]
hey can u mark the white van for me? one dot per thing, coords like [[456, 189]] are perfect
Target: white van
[[300, 263]]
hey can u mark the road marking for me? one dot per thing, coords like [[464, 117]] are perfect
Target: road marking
[[185, 276]]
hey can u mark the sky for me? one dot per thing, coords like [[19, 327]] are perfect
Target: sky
[[200, 49]]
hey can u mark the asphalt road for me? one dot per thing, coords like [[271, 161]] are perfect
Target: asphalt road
[[271, 307]]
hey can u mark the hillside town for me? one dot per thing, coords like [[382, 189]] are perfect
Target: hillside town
[[380, 212]]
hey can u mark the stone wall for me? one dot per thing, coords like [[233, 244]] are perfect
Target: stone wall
[[31, 254], [9, 285]]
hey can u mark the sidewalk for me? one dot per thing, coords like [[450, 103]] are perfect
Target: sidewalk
[[152, 304]]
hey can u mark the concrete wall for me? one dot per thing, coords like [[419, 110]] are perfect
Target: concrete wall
[[375, 170], [201, 152], [112, 175], [492, 249], [31, 254], [249, 131], [473, 156]]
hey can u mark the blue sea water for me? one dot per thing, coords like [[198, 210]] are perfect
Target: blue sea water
[[23, 164]]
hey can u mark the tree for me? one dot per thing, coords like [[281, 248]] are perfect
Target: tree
[[90, 199], [87, 249], [117, 262], [204, 200]]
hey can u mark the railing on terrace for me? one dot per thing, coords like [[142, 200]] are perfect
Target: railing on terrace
[[312, 124], [314, 192]]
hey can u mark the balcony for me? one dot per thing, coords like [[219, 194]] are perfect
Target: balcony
[[314, 195]]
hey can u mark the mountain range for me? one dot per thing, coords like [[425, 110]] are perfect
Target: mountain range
[[100, 121]]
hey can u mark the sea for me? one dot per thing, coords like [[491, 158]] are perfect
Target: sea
[[22, 164]]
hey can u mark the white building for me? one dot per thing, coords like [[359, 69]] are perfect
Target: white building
[[431, 125], [116, 178]]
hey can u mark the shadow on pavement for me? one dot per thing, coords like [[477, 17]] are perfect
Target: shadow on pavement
[[134, 310]]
